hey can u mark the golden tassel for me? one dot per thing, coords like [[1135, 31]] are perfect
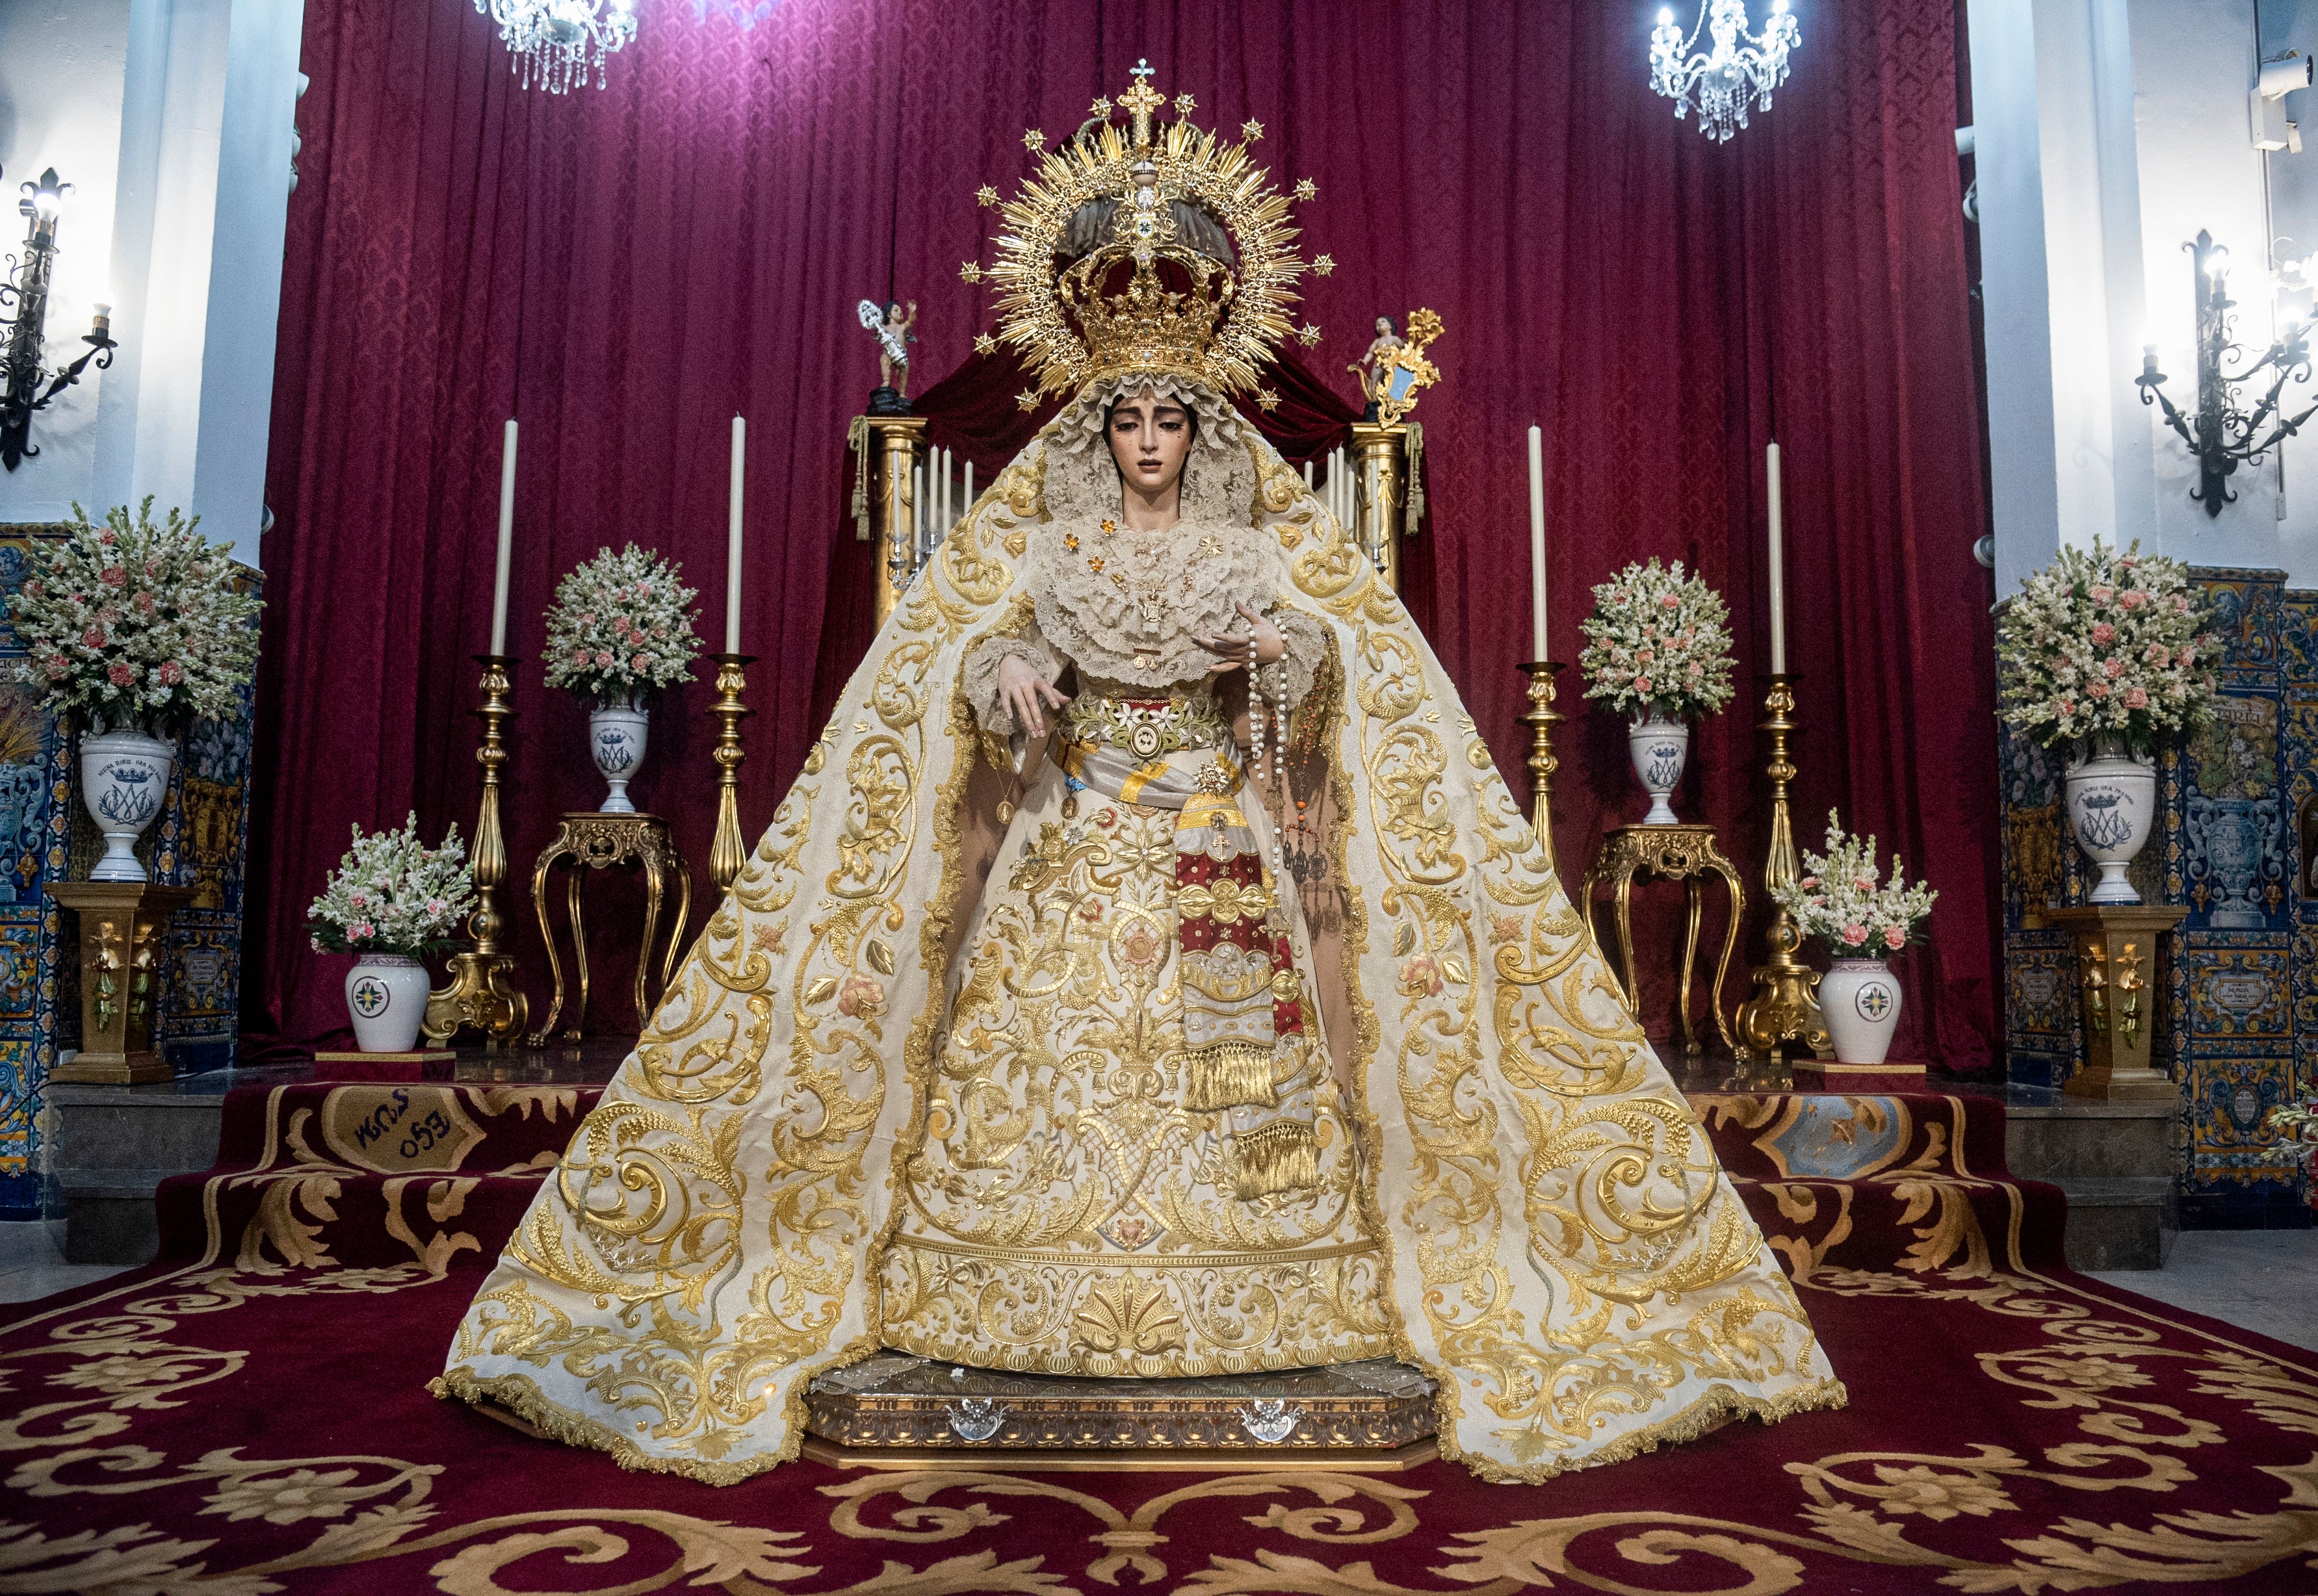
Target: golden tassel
[[857, 438], [1228, 1075], [1281, 1156]]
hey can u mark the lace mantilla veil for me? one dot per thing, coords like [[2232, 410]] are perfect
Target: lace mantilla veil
[[1562, 1254]]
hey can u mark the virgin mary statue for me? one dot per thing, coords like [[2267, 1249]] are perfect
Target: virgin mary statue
[[1016, 1046]]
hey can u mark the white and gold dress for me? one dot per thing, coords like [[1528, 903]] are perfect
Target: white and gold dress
[[1026, 1056], [1137, 1159]]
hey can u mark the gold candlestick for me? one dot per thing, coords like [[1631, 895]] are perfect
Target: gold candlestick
[[480, 991], [1784, 1007], [1541, 719], [730, 851]]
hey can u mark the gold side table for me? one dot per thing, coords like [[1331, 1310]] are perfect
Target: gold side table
[[2116, 983], [123, 930], [1686, 854], [589, 839]]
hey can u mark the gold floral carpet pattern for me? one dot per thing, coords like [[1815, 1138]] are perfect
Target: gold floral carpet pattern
[[249, 1413]]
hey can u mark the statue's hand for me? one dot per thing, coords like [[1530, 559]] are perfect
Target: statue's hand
[[1260, 645], [1027, 694]]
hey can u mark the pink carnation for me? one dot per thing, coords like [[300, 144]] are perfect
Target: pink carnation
[[1667, 601], [2180, 604], [2186, 657], [2102, 594], [123, 676], [1893, 937], [2104, 633], [1854, 934], [170, 673], [361, 931], [2068, 706], [636, 639], [603, 661], [2134, 599], [640, 662], [2154, 654], [1642, 684], [107, 537], [1644, 656], [2111, 668], [2136, 699], [579, 656], [92, 638], [114, 576], [56, 665], [144, 602], [2098, 689]]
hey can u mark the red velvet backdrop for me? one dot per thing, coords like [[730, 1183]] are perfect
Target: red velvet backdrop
[[624, 270]]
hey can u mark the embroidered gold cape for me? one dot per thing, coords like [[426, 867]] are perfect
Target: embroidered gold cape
[[1561, 1253]]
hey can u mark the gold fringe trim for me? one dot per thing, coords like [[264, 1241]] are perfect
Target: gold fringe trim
[[520, 1395], [1228, 1075], [1720, 1405], [1281, 1156]]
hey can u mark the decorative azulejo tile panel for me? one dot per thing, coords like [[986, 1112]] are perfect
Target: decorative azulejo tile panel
[[201, 840], [2239, 848]]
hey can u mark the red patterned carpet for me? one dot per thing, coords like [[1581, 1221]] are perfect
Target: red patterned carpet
[[250, 1413]]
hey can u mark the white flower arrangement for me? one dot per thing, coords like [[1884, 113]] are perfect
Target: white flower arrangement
[[1657, 642], [129, 623], [392, 893], [620, 626], [2100, 642], [1842, 899], [2296, 1125]]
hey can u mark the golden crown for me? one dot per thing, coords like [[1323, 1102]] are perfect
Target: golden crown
[[1148, 247]]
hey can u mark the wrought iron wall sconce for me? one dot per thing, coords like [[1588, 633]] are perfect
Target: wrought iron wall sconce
[[27, 387], [2223, 435]]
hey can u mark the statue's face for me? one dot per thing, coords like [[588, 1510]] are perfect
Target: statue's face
[[1150, 434], [1384, 326]]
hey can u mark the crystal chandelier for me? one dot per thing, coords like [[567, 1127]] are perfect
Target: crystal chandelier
[[1737, 68], [555, 43]]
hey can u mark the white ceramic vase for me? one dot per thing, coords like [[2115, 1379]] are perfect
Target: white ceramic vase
[[616, 736], [1861, 1002], [124, 780], [1659, 748], [2112, 800], [386, 998]]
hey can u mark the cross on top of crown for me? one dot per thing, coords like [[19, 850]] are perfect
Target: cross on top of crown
[[1142, 100]]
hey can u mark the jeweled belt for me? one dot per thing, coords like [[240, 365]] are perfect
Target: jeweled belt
[[1145, 727]]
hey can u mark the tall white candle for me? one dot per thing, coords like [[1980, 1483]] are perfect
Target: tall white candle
[[507, 540], [1307, 476], [732, 541], [1778, 567], [969, 484], [1537, 544]]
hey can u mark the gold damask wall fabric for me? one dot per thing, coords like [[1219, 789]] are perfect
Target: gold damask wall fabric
[[1536, 1219]]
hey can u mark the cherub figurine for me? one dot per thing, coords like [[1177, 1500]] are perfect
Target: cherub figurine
[[1366, 368], [894, 336]]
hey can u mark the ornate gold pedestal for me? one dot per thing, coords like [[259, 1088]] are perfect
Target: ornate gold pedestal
[[589, 839], [891, 446], [2116, 982], [1380, 495], [1785, 1008], [895, 1411], [1686, 854], [123, 928]]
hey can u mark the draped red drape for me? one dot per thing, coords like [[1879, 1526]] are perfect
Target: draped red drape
[[623, 270]]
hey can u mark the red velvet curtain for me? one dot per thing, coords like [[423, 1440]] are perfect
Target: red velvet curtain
[[623, 270]]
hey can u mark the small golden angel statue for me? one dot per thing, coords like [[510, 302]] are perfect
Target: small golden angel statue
[[1393, 368]]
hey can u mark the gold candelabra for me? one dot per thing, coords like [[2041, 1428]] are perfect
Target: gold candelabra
[[729, 852], [1784, 1007], [1541, 719], [482, 991]]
